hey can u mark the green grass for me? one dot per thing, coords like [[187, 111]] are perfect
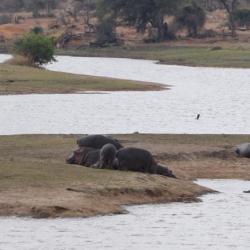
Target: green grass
[[24, 80], [179, 55]]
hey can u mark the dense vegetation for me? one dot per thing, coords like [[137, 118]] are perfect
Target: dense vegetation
[[147, 15]]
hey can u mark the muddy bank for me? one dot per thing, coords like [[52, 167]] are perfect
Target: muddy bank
[[36, 182], [82, 201]]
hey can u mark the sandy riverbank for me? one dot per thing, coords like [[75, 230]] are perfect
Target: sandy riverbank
[[36, 182], [16, 80]]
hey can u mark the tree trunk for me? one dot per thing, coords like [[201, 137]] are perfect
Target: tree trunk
[[230, 7], [160, 28]]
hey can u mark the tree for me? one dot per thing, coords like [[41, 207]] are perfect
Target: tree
[[37, 48], [192, 17], [85, 7], [140, 13], [230, 7], [105, 31]]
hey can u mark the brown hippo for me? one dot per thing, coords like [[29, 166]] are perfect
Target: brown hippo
[[88, 157], [139, 160], [98, 141]]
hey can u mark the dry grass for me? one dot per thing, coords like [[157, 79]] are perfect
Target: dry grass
[[16, 79]]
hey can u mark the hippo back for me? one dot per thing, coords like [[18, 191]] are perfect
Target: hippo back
[[98, 141], [134, 159]]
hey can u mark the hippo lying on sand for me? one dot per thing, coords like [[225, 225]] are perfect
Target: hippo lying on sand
[[126, 159], [88, 157], [139, 160], [243, 150], [98, 141]]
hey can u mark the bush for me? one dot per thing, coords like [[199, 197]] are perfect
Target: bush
[[37, 48]]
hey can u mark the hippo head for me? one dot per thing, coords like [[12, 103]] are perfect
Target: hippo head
[[75, 157]]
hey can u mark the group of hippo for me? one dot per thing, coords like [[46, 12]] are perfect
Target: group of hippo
[[99, 151]]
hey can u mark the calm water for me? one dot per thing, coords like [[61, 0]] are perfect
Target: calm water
[[221, 96], [221, 221]]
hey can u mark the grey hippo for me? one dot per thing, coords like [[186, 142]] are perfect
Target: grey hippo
[[139, 160], [98, 141], [243, 150], [107, 156]]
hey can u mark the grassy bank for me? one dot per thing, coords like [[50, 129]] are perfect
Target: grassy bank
[[209, 55], [27, 80], [35, 181]]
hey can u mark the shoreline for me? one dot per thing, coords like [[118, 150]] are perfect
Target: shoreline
[[222, 54], [17, 80], [36, 182]]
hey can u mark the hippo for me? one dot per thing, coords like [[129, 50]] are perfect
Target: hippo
[[243, 150], [85, 156], [139, 160], [98, 141], [91, 159], [107, 156]]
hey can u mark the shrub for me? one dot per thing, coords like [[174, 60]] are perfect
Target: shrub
[[37, 48]]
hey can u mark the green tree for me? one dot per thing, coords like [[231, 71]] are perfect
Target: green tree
[[192, 17], [37, 48], [140, 13]]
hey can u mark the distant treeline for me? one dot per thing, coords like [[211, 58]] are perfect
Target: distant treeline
[[28, 5], [144, 15]]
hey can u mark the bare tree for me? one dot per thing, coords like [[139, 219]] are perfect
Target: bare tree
[[230, 7], [85, 8]]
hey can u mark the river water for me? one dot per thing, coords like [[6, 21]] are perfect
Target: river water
[[221, 221], [221, 96]]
